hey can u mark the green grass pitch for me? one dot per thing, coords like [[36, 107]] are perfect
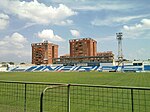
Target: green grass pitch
[[83, 99], [96, 78]]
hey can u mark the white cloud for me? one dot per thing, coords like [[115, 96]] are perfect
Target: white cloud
[[110, 21], [139, 30], [75, 33], [4, 21], [16, 40], [65, 22], [14, 45], [49, 34], [95, 5], [28, 25], [100, 22], [136, 26], [145, 24], [38, 12], [104, 6]]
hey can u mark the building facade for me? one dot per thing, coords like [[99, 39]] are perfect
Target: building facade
[[43, 53], [83, 47], [105, 56], [84, 51]]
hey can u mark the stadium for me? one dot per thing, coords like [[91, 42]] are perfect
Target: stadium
[[91, 82], [65, 56], [136, 66], [81, 59]]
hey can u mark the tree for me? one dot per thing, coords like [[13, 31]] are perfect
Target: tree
[[11, 63], [22, 63]]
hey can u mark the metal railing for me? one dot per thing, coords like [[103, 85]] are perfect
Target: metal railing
[[67, 107], [21, 96], [45, 97]]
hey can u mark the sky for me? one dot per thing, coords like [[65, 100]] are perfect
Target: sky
[[23, 22]]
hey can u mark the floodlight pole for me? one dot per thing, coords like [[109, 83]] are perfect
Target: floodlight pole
[[120, 54]]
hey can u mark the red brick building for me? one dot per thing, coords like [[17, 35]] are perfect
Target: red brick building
[[43, 53], [106, 56], [83, 47], [84, 50]]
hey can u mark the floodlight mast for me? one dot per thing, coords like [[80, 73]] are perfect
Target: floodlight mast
[[120, 54]]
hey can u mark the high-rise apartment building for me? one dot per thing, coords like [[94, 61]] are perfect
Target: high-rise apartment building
[[84, 51], [83, 47], [43, 53]]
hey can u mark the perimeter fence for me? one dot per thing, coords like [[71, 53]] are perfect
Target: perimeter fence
[[45, 97]]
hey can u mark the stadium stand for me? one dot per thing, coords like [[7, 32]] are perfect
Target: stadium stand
[[66, 68], [109, 68], [100, 68], [14, 69], [57, 68], [129, 68], [30, 69], [39, 68], [146, 67], [47, 68]]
